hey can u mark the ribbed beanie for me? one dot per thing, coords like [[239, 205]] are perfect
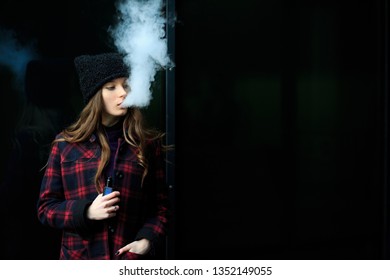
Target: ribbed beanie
[[96, 70]]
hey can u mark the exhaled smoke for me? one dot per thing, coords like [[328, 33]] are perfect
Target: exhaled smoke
[[15, 55], [140, 35]]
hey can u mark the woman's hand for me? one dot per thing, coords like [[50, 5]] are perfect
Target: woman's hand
[[103, 207], [140, 247]]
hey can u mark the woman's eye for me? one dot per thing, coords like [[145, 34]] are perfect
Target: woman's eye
[[110, 88]]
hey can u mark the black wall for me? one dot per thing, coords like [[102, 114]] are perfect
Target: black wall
[[281, 124], [280, 129]]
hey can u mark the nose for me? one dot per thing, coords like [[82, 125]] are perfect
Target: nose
[[123, 92]]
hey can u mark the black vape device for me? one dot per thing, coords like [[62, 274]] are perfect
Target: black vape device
[[108, 187]]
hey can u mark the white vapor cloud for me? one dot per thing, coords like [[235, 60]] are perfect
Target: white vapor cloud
[[140, 35]]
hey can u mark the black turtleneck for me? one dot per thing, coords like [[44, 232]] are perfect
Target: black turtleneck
[[113, 134]]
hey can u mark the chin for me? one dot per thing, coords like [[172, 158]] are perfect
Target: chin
[[123, 112]]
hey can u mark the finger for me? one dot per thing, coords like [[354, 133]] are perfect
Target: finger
[[110, 203], [113, 209], [114, 200], [111, 195], [123, 250]]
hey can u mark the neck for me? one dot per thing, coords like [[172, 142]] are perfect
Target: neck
[[110, 121]]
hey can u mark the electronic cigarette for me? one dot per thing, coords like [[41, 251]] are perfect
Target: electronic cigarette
[[108, 187]]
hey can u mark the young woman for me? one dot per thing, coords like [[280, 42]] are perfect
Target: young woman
[[107, 143]]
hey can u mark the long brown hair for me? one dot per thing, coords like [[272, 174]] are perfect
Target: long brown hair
[[90, 121]]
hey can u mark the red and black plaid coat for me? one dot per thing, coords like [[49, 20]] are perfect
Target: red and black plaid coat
[[68, 189]]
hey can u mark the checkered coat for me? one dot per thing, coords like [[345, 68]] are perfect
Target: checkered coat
[[68, 189]]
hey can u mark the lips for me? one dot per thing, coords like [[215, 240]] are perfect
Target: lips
[[120, 105]]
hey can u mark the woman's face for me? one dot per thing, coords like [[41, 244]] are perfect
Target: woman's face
[[113, 93]]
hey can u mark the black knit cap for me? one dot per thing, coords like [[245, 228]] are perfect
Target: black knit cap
[[96, 70]]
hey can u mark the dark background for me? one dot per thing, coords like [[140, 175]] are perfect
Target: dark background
[[281, 127]]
